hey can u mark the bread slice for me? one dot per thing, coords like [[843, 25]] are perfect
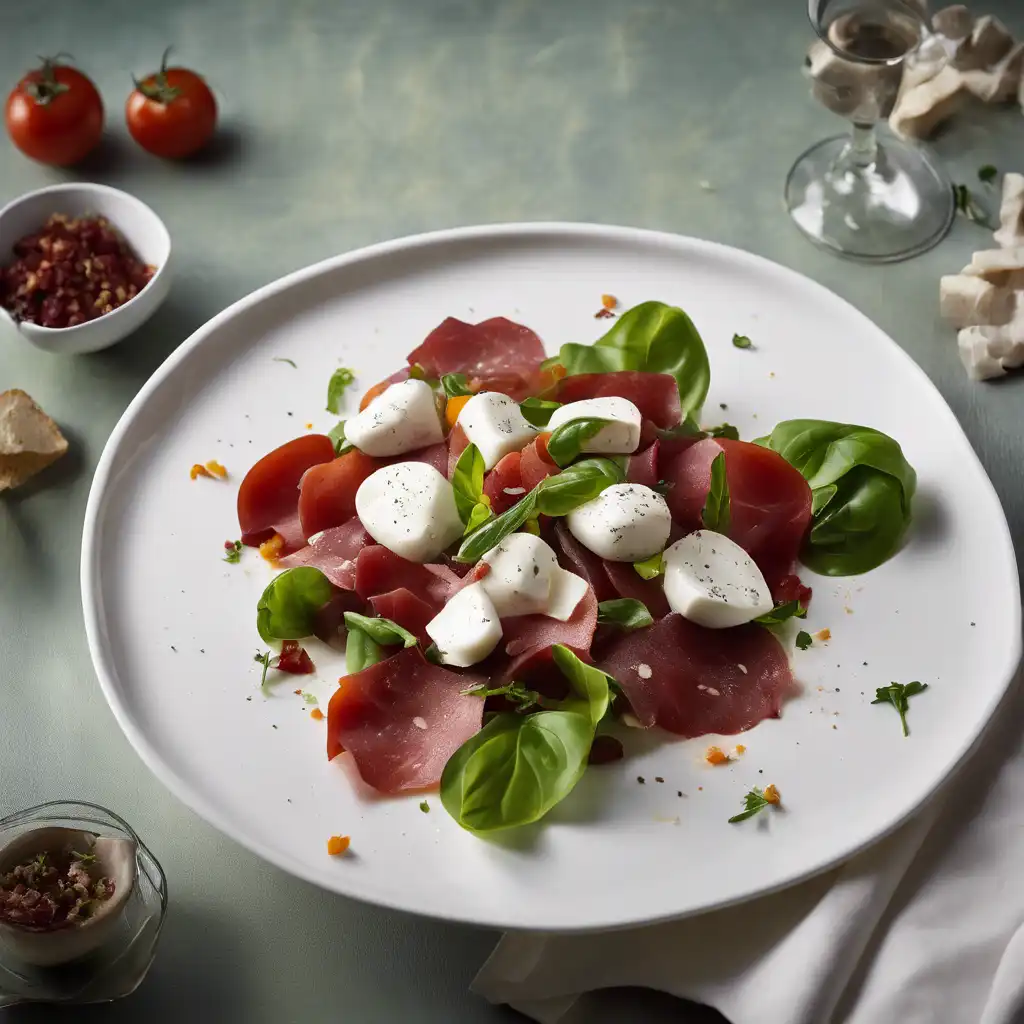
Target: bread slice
[[29, 439]]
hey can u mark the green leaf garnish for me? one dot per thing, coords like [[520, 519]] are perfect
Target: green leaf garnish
[[626, 612], [286, 609], [741, 341], [753, 803], [716, 514], [367, 635], [234, 553], [566, 442], [590, 692], [726, 430], [652, 568], [514, 692], [966, 204], [455, 384], [433, 655], [263, 658], [340, 380], [468, 485], [310, 698], [538, 410], [898, 696], [987, 173], [803, 640], [285, 359], [424, 807], [337, 436], [781, 613]]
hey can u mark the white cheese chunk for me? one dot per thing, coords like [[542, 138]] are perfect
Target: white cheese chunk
[[624, 523], [567, 590], [409, 507], [493, 423], [920, 110], [712, 581], [620, 437], [519, 581], [467, 629], [1011, 212], [988, 352], [400, 419], [966, 300]]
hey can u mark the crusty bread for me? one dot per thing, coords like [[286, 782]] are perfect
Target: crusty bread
[[29, 439]]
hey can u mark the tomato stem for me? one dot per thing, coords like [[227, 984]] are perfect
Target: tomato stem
[[156, 87], [47, 87]]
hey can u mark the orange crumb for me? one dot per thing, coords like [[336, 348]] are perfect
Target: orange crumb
[[772, 374], [771, 794], [271, 549], [337, 845], [715, 755], [609, 301], [316, 714], [198, 470], [740, 748], [823, 634], [700, 789], [454, 407], [298, 693], [216, 469]]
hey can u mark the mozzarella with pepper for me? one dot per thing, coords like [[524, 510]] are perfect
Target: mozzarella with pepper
[[624, 523], [467, 629], [622, 434], [400, 419], [494, 423], [409, 507], [712, 581], [526, 579]]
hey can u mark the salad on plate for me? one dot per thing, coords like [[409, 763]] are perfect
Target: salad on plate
[[525, 555]]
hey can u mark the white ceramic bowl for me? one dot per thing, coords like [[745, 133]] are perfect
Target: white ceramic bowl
[[141, 227]]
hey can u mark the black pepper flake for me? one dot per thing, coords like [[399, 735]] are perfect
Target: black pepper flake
[[173, 648], [973, 623], [679, 792], [273, 727], [291, 414], [640, 779], [658, 778], [202, 650], [760, 771], [248, 698]]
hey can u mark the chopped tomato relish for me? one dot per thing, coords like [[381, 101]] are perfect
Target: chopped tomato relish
[[294, 659]]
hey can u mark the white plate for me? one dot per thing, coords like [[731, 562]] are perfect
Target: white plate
[[172, 627]]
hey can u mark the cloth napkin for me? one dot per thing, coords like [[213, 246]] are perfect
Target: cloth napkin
[[927, 925]]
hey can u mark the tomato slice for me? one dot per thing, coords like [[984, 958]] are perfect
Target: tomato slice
[[328, 494]]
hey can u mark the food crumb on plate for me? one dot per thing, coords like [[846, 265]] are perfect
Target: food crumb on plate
[[337, 845], [715, 755], [609, 301], [740, 749], [772, 795], [271, 549], [823, 634], [217, 469], [316, 714], [197, 470]]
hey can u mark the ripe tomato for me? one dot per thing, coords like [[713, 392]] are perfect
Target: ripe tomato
[[54, 114], [171, 113]]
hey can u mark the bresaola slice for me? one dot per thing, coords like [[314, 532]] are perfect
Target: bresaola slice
[[692, 681], [334, 553], [401, 720], [656, 395], [327, 497], [379, 571]]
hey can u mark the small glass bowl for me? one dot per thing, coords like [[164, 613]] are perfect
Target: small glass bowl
[[117, 968]]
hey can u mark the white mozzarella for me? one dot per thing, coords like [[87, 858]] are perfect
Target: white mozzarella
[[467, 629], [493, 423], [409, 507], [712, 581], [620, 437], [624, 523], [567, 590], [519, 581], [400, 419]]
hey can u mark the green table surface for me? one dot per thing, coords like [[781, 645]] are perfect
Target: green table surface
[[345, 124]]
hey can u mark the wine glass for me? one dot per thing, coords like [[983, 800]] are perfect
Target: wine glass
[[870, 199]]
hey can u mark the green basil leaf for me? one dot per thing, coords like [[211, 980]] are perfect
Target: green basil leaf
[[716, 514], [566, 441], [652, 568], [337, 436], [741, 341], [689, 427], [803, 640], [480, 514], [516, 769], [361, 651], [782, 613], [652, 337], [862, 487], [590, 694], [495, 530], [381, 631], [340, 380], [468, 481], [538, 410], [286, 609], [455, 384], [576, 485], [726, 430], [626, 612]]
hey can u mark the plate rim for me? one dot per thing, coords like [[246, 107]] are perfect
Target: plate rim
[[191, 797]]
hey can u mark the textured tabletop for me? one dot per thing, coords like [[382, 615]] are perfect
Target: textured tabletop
[[346, 124]]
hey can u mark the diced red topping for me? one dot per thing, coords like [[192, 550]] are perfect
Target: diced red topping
[[294, 659]]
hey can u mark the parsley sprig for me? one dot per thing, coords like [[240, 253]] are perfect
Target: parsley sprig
[[754, 802], [898, 696]]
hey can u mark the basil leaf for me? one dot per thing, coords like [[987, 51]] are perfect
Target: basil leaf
[[337, 435], [716, 514], [566, 441], [468, 481], [576, 485], [652, 568], [626, 612], [538, 410], [803, 640], [726, 430], [782, 613], [286, 609], [495, 530], [381, 631], [741, 341], [590, 695], [861, 485], [516, 769], [455, 384], [689, 427], [480, 514], [340, 380], [361, 651], [652, 337]]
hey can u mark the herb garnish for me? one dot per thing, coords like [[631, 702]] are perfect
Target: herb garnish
[[741, 341], [897, 695], [285, 359], [264, 659], [340, 379], [538, 410], [233, 549], [966, 204], [455, 385], [782, 612], [754, 802], [424, 807], [726, 430], [716, 512], [337, 436], [626, 612], [566, 442], [987, 173], [803, 640], [653, 567]]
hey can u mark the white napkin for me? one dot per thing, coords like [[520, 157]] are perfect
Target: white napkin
[[926, 925]]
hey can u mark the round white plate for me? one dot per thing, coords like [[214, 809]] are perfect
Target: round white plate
[[172, 627]]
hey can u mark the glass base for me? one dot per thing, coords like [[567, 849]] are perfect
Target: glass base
[[881, 206]]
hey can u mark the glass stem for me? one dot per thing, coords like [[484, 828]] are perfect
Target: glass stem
[[863, 145]]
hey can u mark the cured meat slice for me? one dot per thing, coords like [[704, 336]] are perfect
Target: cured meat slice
[[327, 496], [656, 395], [334, 553]]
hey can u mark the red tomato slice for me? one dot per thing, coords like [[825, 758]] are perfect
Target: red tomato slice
[[328, 494]]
